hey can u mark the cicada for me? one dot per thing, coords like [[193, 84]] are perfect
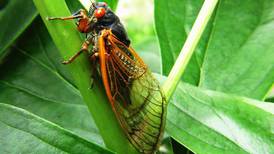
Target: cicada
[[133, 92]]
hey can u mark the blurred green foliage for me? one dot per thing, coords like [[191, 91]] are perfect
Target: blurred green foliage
[[138, 18]]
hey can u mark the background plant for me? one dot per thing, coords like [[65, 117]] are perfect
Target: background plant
[[220, 107]]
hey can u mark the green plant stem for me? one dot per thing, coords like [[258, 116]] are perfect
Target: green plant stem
[[192, 40], [68, 41]]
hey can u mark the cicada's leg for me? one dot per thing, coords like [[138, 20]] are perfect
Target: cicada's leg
[[84, 48], [94, 61], [79, 14], [94, 57]]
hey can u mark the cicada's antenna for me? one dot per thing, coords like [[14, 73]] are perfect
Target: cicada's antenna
[[93, 4]]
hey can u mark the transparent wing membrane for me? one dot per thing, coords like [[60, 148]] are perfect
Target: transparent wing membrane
[[137, 98]]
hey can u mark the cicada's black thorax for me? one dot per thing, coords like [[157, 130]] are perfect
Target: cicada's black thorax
[[112, 22]]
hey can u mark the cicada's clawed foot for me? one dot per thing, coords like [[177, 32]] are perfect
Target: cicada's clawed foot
[[94, 50], [65, 62]]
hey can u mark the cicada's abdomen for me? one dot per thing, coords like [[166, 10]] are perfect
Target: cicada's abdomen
[[144, 119]]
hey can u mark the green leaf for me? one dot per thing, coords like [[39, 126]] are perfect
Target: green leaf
[[14, 20], [239, 57], [166, 146], [235, 54], [32, 78], [173, 22], [213, 122], [23, 132], [74, 5]]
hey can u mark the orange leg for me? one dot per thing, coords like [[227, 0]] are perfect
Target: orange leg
[[84, 48], [79, 14]]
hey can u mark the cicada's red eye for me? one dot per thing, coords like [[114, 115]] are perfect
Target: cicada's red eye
[[100, 12]]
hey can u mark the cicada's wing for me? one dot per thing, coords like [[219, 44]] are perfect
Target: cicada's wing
[[139, 103]]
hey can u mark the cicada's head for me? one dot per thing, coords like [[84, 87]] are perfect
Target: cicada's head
[[98, 10], [102, 17]]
